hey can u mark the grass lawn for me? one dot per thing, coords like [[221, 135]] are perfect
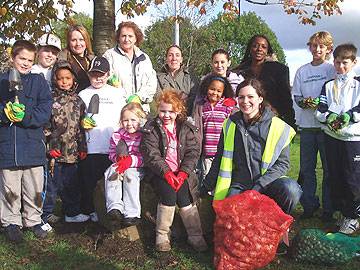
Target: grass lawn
[[87, 247]]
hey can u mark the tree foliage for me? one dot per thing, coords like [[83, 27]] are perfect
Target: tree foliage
[[198, 43]]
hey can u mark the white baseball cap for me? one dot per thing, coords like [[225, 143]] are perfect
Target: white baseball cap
[[50, 40]]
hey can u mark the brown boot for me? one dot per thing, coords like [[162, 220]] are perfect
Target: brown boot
[[164, 219], [191, 219]]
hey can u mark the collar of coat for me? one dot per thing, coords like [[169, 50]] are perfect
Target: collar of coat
[[156, 123]]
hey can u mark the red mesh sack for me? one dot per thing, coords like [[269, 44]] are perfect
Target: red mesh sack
[[247, 231]]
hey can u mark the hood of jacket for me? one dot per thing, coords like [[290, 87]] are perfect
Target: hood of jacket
[[62, 64]]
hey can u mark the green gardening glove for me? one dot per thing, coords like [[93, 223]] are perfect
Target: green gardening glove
[[344, 120], [114, 81], [302, 104], [331, 121], [88, 123], [15, 112], [134, 98], [314, 103]]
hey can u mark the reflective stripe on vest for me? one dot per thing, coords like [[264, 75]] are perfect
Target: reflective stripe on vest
[[280, 135]]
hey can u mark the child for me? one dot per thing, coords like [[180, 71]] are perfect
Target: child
[[101, 126], [49, 47], [67, 145], [308, 82], [339, 111], [123, 197], [220, 62], [213, 105], [23, 115], [170, 152]]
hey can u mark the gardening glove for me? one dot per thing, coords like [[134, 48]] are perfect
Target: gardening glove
[[114, 81], [134, 98], [88, 123], [172, 180], [55, 153], [331, 121], [123, 163], [344, 120], [314, 103], [15, 112], [181, 177], [229, 102], [302, 104], [82, 155]]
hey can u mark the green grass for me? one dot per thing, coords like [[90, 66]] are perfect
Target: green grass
[[56, 252]]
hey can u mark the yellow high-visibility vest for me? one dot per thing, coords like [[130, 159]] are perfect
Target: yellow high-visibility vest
[[280, 135]]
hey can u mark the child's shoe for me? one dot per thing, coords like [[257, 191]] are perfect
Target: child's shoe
[[13, 233], [349, 226], [77, 219], [94, 217], [38, 231]]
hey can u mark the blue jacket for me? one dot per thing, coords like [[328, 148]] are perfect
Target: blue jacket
[[23, 143]]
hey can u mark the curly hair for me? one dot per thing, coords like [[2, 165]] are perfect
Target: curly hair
[[138, 33], [85, 35], [204, 86], [171, 96]]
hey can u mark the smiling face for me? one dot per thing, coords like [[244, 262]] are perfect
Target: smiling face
[[343, 66], [174, 59], [64, 79], [127, 39], [259, 49], [77, 43], [215, 91], [23, 61], [249, 102], [319, 52], [220, 63], [47, 56], [130, 121], [167, 114]]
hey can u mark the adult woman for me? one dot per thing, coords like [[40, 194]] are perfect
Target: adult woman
[[258, 62], [78, 53], [261, 156], [132, 66], [174, 75]]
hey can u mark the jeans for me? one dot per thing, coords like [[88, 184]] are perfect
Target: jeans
[[312, 142], [285, 191]]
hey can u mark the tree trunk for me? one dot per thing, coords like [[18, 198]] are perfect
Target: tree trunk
[[104, 25]]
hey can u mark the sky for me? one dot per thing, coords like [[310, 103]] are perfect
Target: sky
[[292, 36]]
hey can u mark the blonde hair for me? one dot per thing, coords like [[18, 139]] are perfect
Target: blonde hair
[[171, 96], [323, 37], [135, 108], [85, 35]]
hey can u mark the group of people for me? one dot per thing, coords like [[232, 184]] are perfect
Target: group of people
[[90, 117]]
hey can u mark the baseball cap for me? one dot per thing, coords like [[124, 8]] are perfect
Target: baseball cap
[[50, 40], [100, 64]]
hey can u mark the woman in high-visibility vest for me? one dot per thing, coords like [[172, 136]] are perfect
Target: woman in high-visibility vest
[[253, 152]]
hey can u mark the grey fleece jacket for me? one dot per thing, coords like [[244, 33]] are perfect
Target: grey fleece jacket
[[249, 147]]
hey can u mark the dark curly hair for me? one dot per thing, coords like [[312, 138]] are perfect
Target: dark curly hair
[[204, 86]]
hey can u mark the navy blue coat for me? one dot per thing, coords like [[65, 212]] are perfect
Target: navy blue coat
[[23, 143]]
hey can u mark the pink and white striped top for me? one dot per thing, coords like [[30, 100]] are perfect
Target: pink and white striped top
[[132, 141], [213, 119]]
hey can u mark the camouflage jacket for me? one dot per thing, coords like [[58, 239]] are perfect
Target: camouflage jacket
[[65, 132]]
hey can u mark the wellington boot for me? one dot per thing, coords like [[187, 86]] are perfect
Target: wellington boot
[[164, 219], [191, 219]]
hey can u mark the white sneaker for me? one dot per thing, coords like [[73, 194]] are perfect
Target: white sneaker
[[349, 226], [78, 218], [94, 217]]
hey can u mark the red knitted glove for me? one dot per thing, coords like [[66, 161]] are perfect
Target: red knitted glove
[[55, 153], [172, 180], [229, 102], [123, 163], [181, 177], [82, 155]]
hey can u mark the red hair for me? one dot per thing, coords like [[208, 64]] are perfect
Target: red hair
[[171, 96]]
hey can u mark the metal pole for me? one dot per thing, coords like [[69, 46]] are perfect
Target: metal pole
[[176, 27]]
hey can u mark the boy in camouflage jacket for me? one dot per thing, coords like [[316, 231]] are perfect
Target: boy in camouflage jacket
[[66, 145]]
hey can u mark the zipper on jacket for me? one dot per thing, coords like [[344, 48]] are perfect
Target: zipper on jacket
[[15, 149]]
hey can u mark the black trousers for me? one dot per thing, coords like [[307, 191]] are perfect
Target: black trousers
[[91, 170], [169, 197], [343, 159]]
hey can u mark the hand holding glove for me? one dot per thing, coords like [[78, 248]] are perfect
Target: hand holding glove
[[309, 103], [123, 163], [172, 179], [344, 120], [181, 177], [15, 112], [55, 153], [88, 123], [331, 121]]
